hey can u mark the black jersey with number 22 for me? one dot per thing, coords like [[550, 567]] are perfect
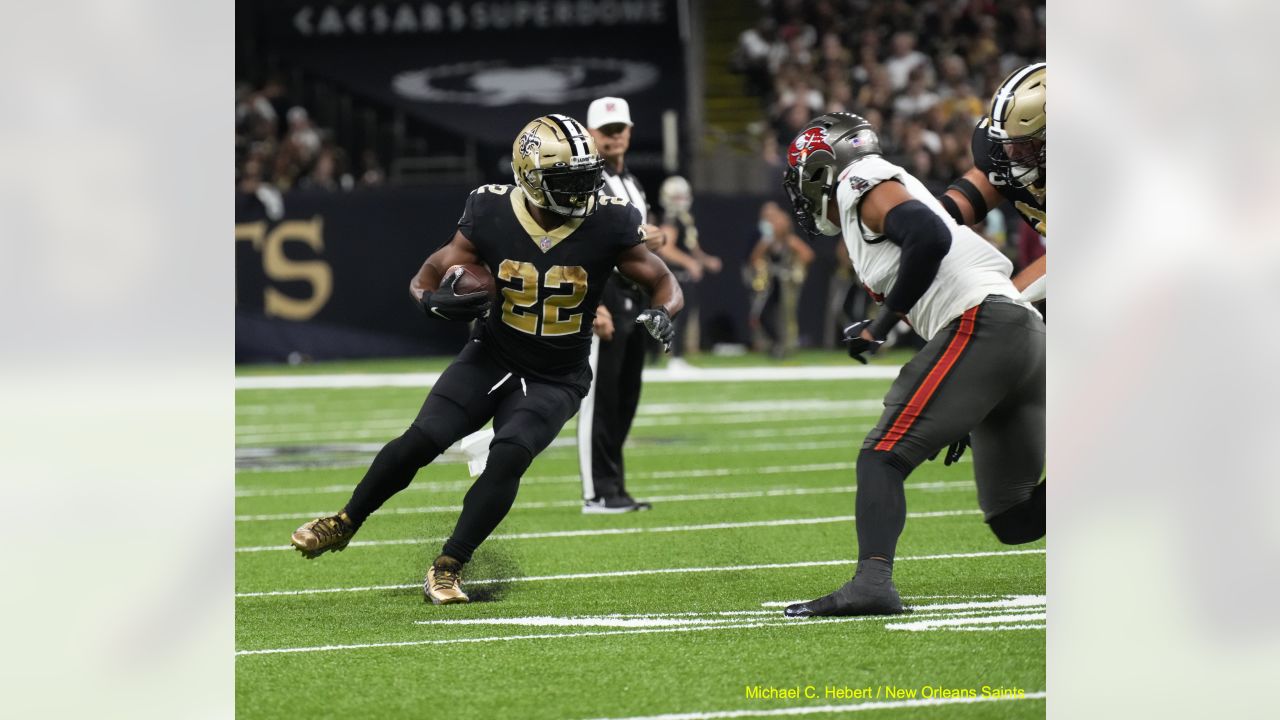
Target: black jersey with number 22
[[549, 282]]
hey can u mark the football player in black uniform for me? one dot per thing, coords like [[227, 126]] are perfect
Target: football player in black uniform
[[551, 242], [1009, 162]]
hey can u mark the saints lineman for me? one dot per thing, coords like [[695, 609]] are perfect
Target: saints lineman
[[550, 241], [1009, 150], [981, 373]]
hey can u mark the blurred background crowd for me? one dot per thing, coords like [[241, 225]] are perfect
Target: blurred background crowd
[[278, 144], [922, 72]]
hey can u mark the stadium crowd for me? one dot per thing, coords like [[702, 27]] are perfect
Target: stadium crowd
[[920, 71], [279, 146]]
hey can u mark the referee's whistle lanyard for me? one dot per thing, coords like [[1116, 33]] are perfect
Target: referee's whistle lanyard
[[523, 387]]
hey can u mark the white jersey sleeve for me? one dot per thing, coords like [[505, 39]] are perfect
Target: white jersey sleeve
[[861, 175], [971, 270]]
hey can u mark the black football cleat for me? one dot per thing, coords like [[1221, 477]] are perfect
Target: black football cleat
[[867, 593], [614, 505]]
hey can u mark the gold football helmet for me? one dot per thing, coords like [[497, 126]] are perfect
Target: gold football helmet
[[1017, 128], [556, 164]]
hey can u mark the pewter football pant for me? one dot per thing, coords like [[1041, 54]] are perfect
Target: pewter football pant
[[983, 375]]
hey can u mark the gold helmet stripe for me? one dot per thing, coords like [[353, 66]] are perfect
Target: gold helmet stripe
[[1006, 91]]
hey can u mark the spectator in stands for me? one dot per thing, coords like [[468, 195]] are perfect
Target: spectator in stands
[[834, 55], [759, 55], [801, 92], [954, 75], [839, 97], [905, 58], [917, 98], [302, 134], [688, 262], [371, 172], [324, 173], [775, 273], [878, 91], [792, 122]]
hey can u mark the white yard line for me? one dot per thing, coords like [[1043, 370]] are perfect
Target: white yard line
[[423, 380], [1010, 601], [497, 638], [567, 444], [654, 475], [937, 623], [546, 504], [665, 628], [558, 479], [322, 432], [651, 571], [624, 531], [980, 613], [995, 628], [726, 408], [870, 706]]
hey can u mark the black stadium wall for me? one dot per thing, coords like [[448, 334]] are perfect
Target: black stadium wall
[[330, 278]]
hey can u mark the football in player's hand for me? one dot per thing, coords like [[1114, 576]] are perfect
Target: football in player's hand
[[471, 279]]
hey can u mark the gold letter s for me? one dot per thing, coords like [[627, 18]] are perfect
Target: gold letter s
[[280, 268]]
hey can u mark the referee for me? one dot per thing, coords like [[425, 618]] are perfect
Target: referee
[[618, 346]]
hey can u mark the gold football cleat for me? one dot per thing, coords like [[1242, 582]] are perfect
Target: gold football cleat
[[444, 582], [323, 534]]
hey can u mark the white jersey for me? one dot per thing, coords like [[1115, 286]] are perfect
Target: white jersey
[[971, 270]]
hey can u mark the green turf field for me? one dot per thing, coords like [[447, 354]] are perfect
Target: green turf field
[[670, 612]]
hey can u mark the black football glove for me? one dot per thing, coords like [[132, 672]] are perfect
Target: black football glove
[[857, 344], [956, 451], [443, 303], [658, 322]]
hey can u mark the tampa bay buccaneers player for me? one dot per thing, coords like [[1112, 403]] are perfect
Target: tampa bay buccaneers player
[[1009, 162], [551, 242], [981, 373]]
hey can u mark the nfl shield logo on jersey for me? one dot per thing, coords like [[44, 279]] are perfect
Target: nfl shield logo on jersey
[[544, 243]]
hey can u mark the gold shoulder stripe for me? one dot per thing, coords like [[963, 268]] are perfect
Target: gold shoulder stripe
[[535, 231]]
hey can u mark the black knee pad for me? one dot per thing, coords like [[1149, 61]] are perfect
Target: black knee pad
[[416, 447], [508, 459], [1022, 523]]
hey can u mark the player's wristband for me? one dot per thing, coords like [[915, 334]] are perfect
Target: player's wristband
[[883, 323]]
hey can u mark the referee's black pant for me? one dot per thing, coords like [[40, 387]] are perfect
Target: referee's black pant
[[607, 411]]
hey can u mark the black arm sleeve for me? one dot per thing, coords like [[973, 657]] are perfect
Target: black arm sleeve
[[924, 240]]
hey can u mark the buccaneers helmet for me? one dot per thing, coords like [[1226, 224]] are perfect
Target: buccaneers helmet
[[1017, 127], [815, 158], [555, 163]]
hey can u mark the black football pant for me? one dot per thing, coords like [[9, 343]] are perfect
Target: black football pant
[[610, 406], [527, 415]]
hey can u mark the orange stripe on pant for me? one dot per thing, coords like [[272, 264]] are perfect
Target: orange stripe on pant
[[916, 404]]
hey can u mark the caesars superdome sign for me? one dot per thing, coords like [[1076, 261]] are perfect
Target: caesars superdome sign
[[483, 69], [357, 19]]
